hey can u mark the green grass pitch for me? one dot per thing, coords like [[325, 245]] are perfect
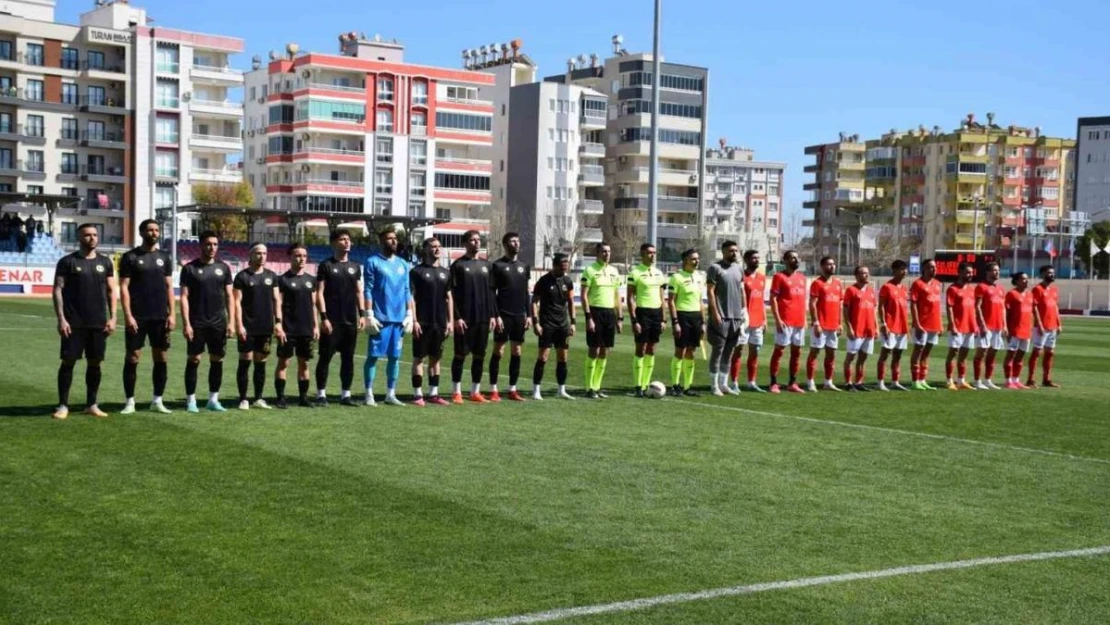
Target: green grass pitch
[[432, 515]]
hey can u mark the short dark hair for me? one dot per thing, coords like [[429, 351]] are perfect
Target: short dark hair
[[297, 246], [339, 233], [855, 272], [509, 235], [470, 233], [208, 234], [993, 264], [560, 258], [748, 254], [427, 242], [688, 253], [1044, 269], [898, 265], [645, 247], [386, 231], [597, 248], [963, 265], [927, 261], [727, 244], [1014, 279], [86, 225], [826, 258], [146, 222], [788, 253]]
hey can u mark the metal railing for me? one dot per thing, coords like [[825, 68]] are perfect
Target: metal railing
[[466, 161], [310, 150], [165, 102], [227, 104], [167, 67], [108, 136], [22, 130], [165, 173], [115, 68], [101, 170], [324, 85], [334, 183], [106, 100], [226, 138], [201, 67], [217, 173]]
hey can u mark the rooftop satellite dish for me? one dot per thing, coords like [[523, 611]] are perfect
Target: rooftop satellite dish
[[273, 55], [570, 64], [292, 49], [581, 60]]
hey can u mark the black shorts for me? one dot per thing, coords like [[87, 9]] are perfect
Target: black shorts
[[212, 340], [691, 323], [474, 341], [88, 343], [513, 331], [651, 325], [559, 338], [605, 328], [430, 343], [259, 344], [302, 346], [153, 329], [342, 339]]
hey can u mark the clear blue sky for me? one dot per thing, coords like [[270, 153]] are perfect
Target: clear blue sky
[[783, 74]]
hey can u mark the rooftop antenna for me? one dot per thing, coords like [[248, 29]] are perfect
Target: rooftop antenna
[[617, 41], [593, 59], [504, 52], [466, 58], [570, 64], [581, 60], [484, 51]]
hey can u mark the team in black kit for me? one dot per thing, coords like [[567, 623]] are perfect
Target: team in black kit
[[256, 299], [146, 292]]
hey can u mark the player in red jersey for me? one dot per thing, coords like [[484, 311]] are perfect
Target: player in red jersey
[[1019, 323], [990, 300], [755, 286], [859, 313], [1046, 326], [788, 305], [826, 296], [893, 327], [926, 304], [962, 327]]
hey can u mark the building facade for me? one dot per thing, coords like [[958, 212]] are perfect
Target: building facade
[[365, 133], [745, 198], [91, 91], [1091, 194]]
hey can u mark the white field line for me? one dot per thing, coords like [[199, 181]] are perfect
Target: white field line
[[803, 582]]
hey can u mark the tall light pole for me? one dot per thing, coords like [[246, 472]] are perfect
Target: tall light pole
[[975, 225], [653, 171]]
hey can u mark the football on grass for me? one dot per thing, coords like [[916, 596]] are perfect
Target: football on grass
[[656, 390]]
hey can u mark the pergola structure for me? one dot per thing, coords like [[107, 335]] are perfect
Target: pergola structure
[[52, 203]]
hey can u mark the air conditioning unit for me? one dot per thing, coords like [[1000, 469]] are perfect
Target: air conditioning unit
[[188, 95], [306, 137], [306, 74], [306, 168], [260, 160], [262, 100], [250, 133]]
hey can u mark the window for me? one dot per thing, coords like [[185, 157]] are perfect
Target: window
[[383, 150], [35, 161], [462, 94], [282, 114], [463, 121], [69, 128], [166, 59], [680, 137], [1050, 193], [383, 182], [34, 90], [34, 127], [35, 189], [34, 54], [443, 213], [280, 145], [6, 125], [97, 96], [416, 209], [385, 120], [254, 93], [69, 191], [6, 159], [165, 129], [385, 89], [551, 105], [70, 58], [166, 94], [69, 93], [669, 109], [420, 93], [94, 130], [95, 59], [462, 181], [773, 207], [419, 124], [165, 164], [418, 153], [418, 184], [69, 163], [6, 53], [96, 165]]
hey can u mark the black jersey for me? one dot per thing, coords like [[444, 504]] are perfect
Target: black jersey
[[298, 292], [85, 294], [340, 281], [429, 286], [257, 301], [472, 290], [147, 272], [207, 294], [552, 293], [510, 282]]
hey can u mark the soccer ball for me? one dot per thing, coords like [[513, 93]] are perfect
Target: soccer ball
[[656, 390]]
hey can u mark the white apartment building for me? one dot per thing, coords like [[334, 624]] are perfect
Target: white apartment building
[[745, 198], [1092, 162], [100, 93]]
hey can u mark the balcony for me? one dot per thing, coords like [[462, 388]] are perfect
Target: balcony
[[593, 121], [591, 235], [327, 185], [107, 139], [851, 165], [103, 173], [167, 102], [675, 204], [32, 170], [213, 74], [68, 138], [216, 108], [341, 88], [337, 156], [23, 133], [968, 217], [447, 195], [167, 138], [221, 176], [167, 67], [69, 172], [455, 163], [591, 207], [592, 149], [165, 174], [32, 99], [216, 143], [591, 175], [108, 68], [107, 104]]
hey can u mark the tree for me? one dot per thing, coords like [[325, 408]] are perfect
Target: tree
[[228, 226], [497, 228], [627, 234], [1100, 233]]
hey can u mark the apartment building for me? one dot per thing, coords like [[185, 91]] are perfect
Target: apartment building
[[1091, 193], [928, 189], [745, 198], [365, 133], [90, 91], [556, 173], [625, 79]]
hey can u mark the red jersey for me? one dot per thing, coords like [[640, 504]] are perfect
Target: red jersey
[[755, 285], [1047, 301], [927, 297], [790, 293], [830, 297], [860, 305], [961, 299], [893, 297], [1019, 314], [992, 299]]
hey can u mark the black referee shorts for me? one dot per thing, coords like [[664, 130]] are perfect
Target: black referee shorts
[[651, 325], [474, 341], [430, 342], [513, 330], [605, 328], [89, 343], [153, 329], [690, 323], [212, 340]]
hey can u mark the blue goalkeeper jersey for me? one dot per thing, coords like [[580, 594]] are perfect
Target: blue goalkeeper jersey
[[387, 287]]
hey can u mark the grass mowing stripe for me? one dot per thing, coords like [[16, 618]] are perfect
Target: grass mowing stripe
[[861, 426], [804, 582]]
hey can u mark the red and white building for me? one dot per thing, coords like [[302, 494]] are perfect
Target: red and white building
[[363, 133]]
